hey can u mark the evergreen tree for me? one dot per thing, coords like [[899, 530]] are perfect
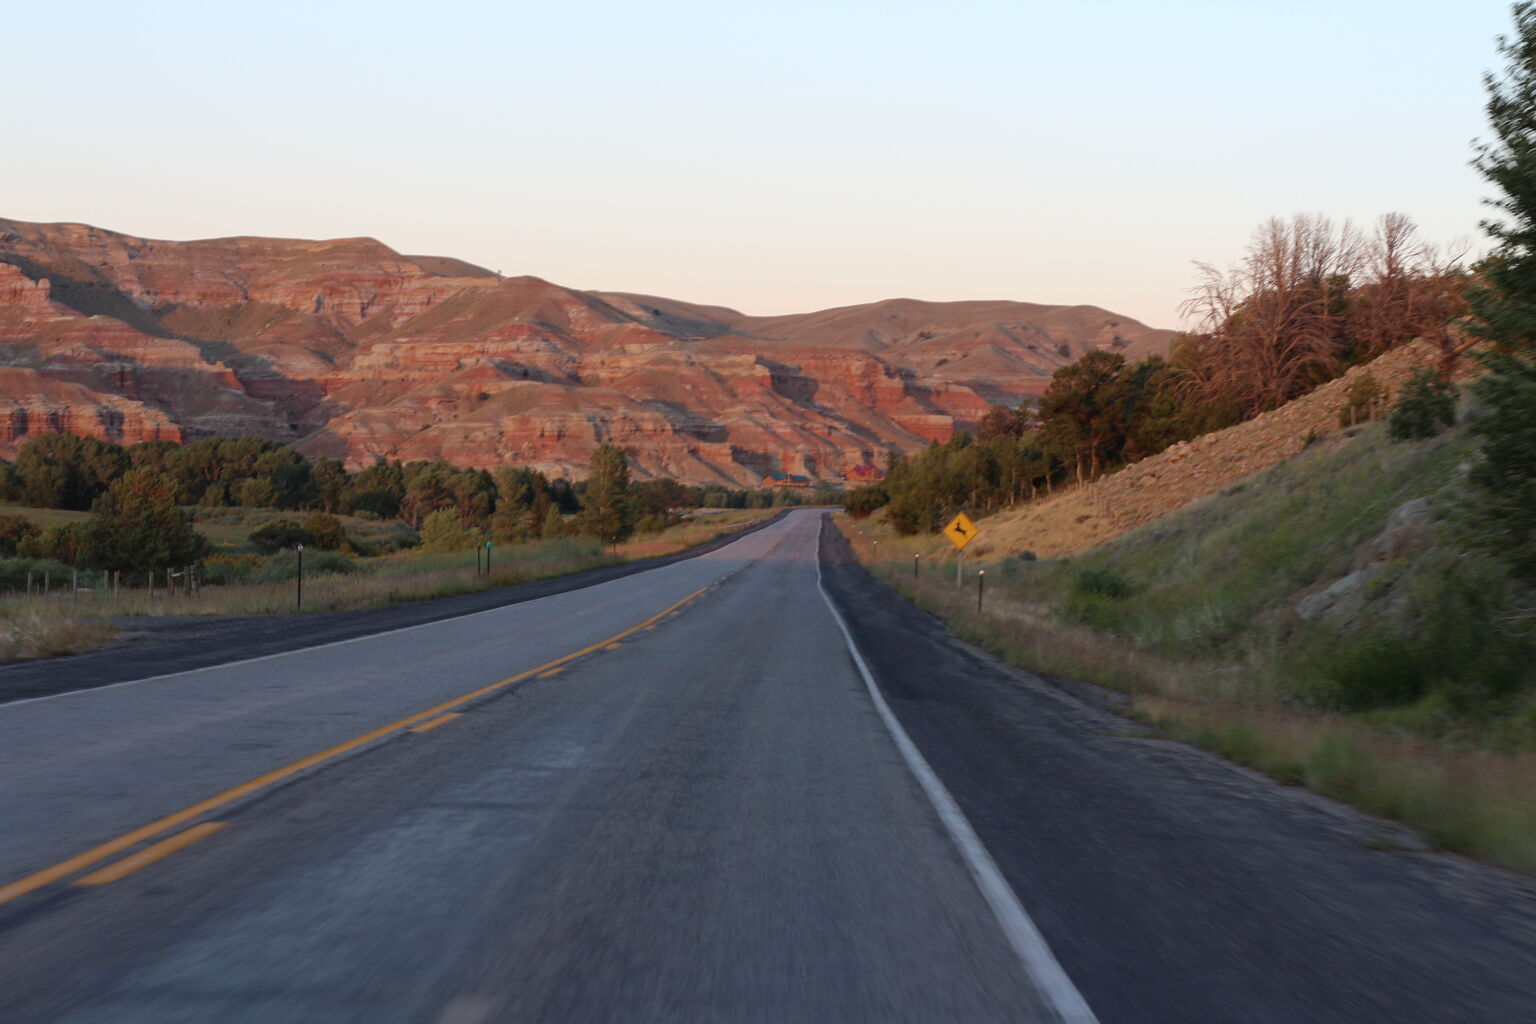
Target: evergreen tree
[[1084, 411], [1426, 406], [607, 513], [1504, 306], [136, 526]]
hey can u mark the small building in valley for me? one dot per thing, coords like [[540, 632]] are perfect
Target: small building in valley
[[865, 474], [786, 480]]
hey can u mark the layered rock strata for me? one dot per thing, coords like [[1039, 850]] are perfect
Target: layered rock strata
[[349, 349]]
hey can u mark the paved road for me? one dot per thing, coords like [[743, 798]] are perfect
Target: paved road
[[705, 816], [155, 645]]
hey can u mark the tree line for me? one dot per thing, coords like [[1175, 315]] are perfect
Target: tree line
[[1307, 301], [139, 496]]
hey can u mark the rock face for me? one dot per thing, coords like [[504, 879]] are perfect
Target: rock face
[[349, 349]]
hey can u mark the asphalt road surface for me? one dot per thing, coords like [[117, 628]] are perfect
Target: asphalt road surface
[[697, 792]]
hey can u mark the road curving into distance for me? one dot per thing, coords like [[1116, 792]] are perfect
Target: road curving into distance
[[749, 785]]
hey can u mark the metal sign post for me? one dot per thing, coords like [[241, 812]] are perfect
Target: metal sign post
[[298, 602]]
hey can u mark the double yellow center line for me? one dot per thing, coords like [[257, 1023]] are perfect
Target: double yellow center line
[[438, 714]]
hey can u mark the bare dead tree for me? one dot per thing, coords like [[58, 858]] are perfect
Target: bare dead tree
[[1273, 325], [1411, 290]]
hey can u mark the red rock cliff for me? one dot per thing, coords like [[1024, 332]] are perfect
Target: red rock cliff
[[348, 348]]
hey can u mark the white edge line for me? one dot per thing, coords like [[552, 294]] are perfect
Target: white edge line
[[6, 705], [1038, 960]]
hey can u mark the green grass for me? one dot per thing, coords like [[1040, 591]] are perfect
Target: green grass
[[1206, 575], [44, 517], [229, 529]]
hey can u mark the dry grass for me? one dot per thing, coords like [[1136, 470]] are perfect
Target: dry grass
[[44, 629], [408, 576], [1470, 801], [415, 575], [39, 627]]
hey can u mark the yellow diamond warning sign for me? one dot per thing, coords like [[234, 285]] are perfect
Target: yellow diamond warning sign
[[961, 531]]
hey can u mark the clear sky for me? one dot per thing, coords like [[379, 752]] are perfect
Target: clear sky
[[774, 157]]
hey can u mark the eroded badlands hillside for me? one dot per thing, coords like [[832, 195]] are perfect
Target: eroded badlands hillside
[[352, 350]]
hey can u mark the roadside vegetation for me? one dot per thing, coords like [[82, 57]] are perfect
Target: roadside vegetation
[[1324, 622], [93, 531], [1360, 618]]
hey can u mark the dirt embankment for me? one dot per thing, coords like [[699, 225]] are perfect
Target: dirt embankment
[[1085, 516]]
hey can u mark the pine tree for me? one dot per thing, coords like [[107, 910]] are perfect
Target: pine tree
[[1504, 306], [606, 512], [1425, 406]]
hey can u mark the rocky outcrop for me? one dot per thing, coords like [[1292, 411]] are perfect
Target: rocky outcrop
[[350, 349], [32, 405]]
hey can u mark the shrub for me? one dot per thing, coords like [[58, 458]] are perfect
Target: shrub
[[63, 542], [284, 566], [1458, 646], [1097, 599], [280, 534], [1102, 582], [1425, 407], [1371, 672], [13, 572], [442, 532], [654, 523], [1360, 399], [226, 569], [327, 532], [862, 502], [14, 530]]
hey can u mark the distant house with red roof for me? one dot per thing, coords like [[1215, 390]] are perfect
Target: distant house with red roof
[[865, 474]]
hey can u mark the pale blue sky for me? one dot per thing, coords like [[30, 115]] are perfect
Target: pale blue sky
[[773, 157]]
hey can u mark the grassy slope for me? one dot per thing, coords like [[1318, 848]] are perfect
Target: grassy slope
[[1208, 640]]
